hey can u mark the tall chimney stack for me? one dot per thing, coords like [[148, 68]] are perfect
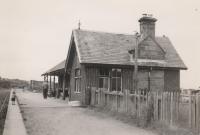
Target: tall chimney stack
[[147, 25]]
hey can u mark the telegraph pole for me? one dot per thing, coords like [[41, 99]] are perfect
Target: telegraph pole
[[136, 63], [137, 41]]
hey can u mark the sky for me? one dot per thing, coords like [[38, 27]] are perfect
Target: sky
[[35, 34]]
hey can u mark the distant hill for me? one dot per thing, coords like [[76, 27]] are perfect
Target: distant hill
[[13, 83]]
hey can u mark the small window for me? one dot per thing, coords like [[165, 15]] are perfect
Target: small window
[[104, 72], [77, 80], [103, 78], [77, 72], [116, 80]]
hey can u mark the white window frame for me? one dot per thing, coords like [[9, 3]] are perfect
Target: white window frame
[[77, 81], [116, 77], [104, 76]]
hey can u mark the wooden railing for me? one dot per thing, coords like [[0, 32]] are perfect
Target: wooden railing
[[170, 107], [146, 105]]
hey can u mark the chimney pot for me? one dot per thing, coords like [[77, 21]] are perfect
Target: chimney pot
[[147, 25]]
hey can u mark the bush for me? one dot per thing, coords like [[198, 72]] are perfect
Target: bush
[[5, 84]]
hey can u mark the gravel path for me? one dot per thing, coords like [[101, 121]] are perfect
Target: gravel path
[[55, 117]]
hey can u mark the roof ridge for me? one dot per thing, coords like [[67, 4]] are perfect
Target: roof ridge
[[96, 31], [114, 33]]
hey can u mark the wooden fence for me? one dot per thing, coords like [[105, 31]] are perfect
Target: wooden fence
[[189, 112], [169, 107], [150, 105]]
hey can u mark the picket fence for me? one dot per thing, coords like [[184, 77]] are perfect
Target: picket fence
[[170, 107]]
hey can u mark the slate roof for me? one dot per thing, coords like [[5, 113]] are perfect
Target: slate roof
[[109, 48]]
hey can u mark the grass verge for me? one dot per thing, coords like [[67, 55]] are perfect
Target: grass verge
[[159, 128]]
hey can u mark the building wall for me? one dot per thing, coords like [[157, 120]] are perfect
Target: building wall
[[127, 79], [159, 80], [156, 78], [91, 81], [172, 80], [92, 77], [148, 49], [153, 80], [74, 96]]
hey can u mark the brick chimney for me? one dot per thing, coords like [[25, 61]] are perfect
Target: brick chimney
[[147, 25]]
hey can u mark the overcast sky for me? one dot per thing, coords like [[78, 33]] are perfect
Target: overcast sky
[[35, 34]]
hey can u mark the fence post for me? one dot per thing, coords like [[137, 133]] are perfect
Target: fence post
[[177, 104], [125, 100], [161, 102], [136, 103], [99, 93], [157, 107], [196, 112], [197, 104], [139, 105], [128, 99], [154, 97], [92, 97], [104, 97], [167, 108], [190, 110], [147, 98], [101, 97], [108, 99], [117, 101], [154, 104], [171, 108]]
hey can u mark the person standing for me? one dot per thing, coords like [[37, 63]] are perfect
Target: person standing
[[13, 98], [45, 90]]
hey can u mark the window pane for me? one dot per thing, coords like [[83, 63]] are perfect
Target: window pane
[[77, 72], [101, 72], [104, 72], [113, 81], [118, 84], [77, 85], [105, 83], [100, 82], [118, 72], [114, 72]]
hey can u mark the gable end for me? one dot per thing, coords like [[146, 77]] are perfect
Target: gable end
[[150, 49]]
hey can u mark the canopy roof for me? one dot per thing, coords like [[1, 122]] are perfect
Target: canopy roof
[[59, 68]]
